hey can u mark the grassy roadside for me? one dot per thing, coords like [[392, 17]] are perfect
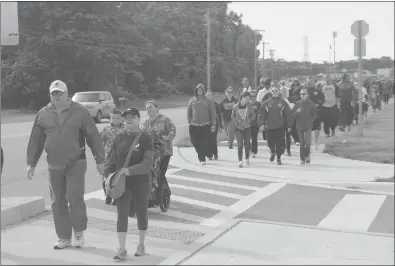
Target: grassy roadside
[[377, 144]]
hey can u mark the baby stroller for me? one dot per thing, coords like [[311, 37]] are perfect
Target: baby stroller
[[160, 190]]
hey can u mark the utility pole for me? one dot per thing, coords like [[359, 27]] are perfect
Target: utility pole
[[208, 52], [256, 58], [329, 62], [255, 61], [271, 52], [263, 57], [334, 51]]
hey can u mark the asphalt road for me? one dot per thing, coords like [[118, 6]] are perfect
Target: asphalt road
[[14, 138]]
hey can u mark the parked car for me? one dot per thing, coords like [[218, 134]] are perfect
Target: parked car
[[99, 103]]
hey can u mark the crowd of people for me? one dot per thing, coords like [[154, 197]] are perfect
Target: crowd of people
[[281, 113]]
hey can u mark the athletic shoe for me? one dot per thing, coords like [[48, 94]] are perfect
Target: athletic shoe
[[247, 161], [215, 157], [272, 156], [121, 254], [78, 239], [203, 163], [302, 162], [279, 162], [241, 164], [140, 251], [297, 144], [308, 160], [253, 155], [62, 243]]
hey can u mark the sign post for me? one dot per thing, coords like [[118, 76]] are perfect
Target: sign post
[[9, 33], [360, 29]]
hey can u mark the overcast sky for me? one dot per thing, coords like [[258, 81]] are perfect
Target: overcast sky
[[286, 24]]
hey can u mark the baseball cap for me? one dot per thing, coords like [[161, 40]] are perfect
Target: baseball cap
[[132, 111], [58, 85]]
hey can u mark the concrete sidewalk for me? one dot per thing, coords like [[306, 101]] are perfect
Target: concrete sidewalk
[[286, 244], [31, 242], [324, 168]]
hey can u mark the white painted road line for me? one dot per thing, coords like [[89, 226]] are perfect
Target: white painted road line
[[354, 212], [98, 194], [219, 183], [242, 205], [177, 214], [203, 204], [209, 191]]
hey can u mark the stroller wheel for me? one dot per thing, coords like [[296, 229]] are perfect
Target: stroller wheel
[[164, 198]]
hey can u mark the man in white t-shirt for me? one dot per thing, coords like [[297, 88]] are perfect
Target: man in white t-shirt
[[330, 107]]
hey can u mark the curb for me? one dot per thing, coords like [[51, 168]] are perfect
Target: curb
[[201, 243], [17, 209]]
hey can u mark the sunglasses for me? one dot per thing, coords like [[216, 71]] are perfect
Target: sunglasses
[[57, 93]]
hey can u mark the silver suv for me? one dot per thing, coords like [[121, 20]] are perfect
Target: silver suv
[[99, 103]]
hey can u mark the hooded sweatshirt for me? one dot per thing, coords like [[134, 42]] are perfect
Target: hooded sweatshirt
[[226, 108], [275, 113], [201, 111], [243, 115], [305, 118]]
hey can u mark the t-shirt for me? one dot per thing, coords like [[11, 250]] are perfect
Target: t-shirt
[[331, 93], [142, 157]]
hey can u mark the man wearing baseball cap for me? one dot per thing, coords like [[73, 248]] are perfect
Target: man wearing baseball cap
[[61, 128]]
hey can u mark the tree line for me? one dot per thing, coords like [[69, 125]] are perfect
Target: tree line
[[127, 48]]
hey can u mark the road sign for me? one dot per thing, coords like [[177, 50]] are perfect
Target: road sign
[[360, 24], [335, 34], [9, 23], [356, 47]]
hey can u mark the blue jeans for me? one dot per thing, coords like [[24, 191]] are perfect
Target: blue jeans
[[243, 139]]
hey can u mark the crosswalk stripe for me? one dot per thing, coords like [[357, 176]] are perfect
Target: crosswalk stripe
[[209, 191], [203, 204], [177, 214], [354, 212], [219, 183], [243, 205]]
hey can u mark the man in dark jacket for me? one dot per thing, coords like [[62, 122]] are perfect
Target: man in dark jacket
[[294, 96], [61, 128], [346, 90], [305, 112], [226, 106], [275, 115], [212, 147]]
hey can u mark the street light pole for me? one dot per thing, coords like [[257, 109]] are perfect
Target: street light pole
[[208, 52], [334, 51], [271, 51]]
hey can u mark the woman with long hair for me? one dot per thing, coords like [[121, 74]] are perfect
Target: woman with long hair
[[138, 183]]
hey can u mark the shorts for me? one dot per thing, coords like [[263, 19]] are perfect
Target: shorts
[[317, 124]]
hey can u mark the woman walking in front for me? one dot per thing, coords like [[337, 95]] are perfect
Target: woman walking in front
[[201, 114], [138, 183], [243, 113]]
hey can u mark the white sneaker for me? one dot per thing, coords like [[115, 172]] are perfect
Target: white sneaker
[[297, 144], [247, 161], [253, 155], [203, 163], [241, 164], [62, 243], [78, 239]]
